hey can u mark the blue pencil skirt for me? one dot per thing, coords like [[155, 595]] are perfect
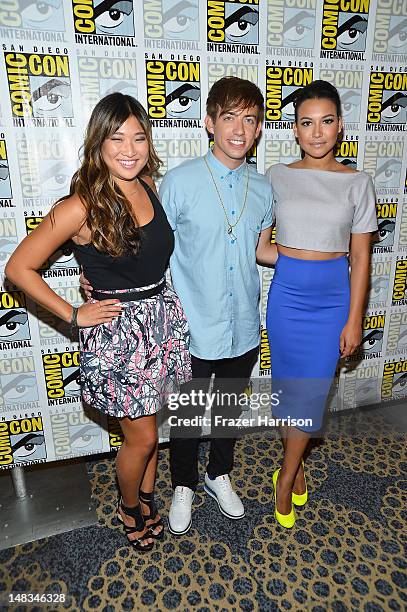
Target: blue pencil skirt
[[308, 306]]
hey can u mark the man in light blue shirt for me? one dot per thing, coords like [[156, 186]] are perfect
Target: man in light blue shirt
[[220, 209]]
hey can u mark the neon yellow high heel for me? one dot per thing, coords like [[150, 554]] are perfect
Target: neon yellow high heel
[[300, 499], [285, 520]]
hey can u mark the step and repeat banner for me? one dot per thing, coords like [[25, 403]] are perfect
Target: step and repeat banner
[[58, 58]]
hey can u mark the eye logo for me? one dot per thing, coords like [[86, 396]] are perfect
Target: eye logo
[[386, 217], [108, 17], [373, 330], [298, 29], [114, 17], [25, 441], [387, 173], [14, 325], [34, 15], [173, 89], [344, 28], [19, 388], [228, 22], [74, 434], [56, 178], [172, 19], [387, 101], [39, 85]]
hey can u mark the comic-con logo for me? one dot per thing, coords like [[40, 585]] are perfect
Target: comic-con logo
[[8, 238], [101, 76], [74, 434], [386, 218], [115, 433], [33, 15], [346, 153], [349, 85], [109, 17], [399, 293], [390, 32], [344, 28], [282, 83], [360, 385], [397, 334], [282, 151], [62, 262], [62, 377], [173, 90], [5, 183], [14, 325], [217, 70], [379, 282], [394, 381], [233, 26], [387, 101], [290, 23], [383, 161], [173, 19], [46, 167], [174, 151], [52, 329], [39, 86], [372, 336], [22, 441], [265, 356], [18, 383]]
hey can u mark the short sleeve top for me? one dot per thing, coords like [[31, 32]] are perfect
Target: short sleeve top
[[318, 210]]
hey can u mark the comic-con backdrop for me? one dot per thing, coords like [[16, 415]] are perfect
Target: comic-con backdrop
[[59, 57]]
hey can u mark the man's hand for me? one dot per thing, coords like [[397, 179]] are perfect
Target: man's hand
[[85, 286]]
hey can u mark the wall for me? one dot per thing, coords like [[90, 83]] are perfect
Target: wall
[[59, 58]]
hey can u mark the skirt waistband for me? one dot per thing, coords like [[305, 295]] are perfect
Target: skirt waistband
[[300, 261], [130, 295]]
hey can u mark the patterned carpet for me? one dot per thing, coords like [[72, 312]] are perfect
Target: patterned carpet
[[346, 551]]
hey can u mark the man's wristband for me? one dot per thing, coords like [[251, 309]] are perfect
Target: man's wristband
[[74, 319]]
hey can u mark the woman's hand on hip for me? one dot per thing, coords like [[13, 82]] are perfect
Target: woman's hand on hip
[[95, 313], [350, 339]]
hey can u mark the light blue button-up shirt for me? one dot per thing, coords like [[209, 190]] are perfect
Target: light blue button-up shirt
[[215, 275]]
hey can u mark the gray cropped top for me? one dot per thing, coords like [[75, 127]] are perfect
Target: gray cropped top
[[318, 210]]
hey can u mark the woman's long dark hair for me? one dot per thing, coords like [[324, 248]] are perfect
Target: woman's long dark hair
[[109, 216]]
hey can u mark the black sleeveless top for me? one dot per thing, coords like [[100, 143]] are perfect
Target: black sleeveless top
[[148, 266]]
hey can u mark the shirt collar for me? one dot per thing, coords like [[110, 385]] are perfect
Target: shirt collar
[[222, 171]]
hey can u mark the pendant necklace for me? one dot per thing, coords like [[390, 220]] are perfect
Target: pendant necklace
[[230, 226]]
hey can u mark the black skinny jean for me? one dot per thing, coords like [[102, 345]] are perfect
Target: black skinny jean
[[231, 376]]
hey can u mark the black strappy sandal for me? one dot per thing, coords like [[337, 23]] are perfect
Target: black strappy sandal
[[135, 513], [148, 500]]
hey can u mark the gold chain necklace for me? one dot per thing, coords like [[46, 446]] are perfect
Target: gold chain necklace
[[230, 225]]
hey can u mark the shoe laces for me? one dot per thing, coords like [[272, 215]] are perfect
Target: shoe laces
[[224, 483], [181, 494]]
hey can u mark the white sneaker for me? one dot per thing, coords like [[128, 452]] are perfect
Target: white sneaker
[[179, 517], [228, 501]]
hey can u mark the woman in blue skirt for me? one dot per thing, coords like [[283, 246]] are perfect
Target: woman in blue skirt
[[325, 214]]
